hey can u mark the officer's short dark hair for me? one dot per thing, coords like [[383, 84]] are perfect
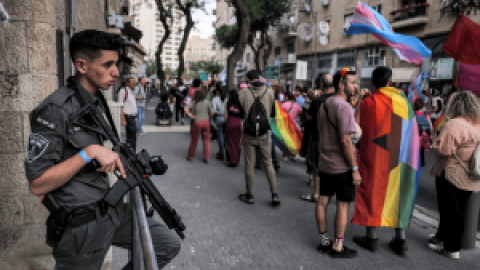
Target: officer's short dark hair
[[381, 76], [90, 43]]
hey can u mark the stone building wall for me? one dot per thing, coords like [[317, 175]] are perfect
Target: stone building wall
[[28, 74]]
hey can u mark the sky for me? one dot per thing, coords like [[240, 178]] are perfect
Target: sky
[[203, 24]]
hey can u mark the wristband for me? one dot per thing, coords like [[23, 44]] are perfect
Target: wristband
[[84, 156], [355, 168]]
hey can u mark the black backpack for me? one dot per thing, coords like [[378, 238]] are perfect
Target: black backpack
[[257, 123]]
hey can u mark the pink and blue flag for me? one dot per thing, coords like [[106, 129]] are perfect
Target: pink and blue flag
[[368, 21]]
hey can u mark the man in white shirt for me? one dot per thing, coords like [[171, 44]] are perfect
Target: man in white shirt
[[140, 95], [128, 111]]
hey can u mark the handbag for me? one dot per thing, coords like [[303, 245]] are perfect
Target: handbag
[[474, 170]]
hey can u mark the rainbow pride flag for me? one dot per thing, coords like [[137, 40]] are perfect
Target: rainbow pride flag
[[389, 160], [439, 123], [285, 132]]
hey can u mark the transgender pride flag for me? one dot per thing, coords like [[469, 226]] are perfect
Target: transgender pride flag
[[368, 21]]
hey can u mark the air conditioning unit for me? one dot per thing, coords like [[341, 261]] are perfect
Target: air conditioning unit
[[305, 9], [325, 3]]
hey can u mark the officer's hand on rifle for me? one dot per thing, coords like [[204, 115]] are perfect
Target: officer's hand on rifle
[[109, 160]]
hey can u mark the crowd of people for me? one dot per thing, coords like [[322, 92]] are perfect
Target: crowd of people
[[338, 129]]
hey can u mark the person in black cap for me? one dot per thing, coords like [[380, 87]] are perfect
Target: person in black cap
[[253, 136], [337, 165]]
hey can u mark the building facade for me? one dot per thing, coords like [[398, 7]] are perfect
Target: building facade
[[199, 49], [147, 19], [326, 48]]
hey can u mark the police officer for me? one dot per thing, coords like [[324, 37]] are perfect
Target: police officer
[[59, 163]]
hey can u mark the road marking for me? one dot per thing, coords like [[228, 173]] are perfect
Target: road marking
[[152, 128]]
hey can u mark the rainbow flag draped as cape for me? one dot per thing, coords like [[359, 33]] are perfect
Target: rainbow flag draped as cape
[[439, 123], [389, 160], [285, 132]]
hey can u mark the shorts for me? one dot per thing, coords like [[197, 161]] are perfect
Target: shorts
[[340, 185]]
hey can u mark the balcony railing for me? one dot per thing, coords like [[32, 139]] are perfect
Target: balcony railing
[[287, 30], [288, 59], [410, 15]]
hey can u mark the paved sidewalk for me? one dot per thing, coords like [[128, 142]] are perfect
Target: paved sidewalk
[[224, 233]]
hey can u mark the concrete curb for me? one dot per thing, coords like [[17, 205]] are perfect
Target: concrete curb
[[432, 218]]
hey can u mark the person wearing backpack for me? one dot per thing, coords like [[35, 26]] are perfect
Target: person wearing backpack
[[258, 102], [457, 155]]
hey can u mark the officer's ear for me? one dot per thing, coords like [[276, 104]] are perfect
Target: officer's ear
[[81, 65]]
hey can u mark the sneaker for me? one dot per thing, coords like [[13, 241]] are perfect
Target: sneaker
[[142, 133], [345, 253], [275, 199], [432, 238], [399, 246], [439, 248], [246, 198], [366, 242], [325, 248], [276, 165]]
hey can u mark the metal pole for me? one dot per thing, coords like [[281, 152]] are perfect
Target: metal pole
[[145, 256], [471, 221]]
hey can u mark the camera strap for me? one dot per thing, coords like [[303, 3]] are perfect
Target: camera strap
[[81, 100]]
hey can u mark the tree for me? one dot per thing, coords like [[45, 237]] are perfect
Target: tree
[[168, 71], [235, 37], [207, 66], [187, 7], [458, 7], [151, 68], [264, 13], [165, 9]]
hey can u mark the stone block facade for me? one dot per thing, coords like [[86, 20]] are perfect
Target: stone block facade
[[28, 74]]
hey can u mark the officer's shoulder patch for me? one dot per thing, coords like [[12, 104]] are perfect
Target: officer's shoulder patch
[[37, 144]]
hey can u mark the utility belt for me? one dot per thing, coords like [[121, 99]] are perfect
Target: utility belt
[[61, 217]]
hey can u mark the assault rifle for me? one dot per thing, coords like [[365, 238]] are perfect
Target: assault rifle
[[138, 167]]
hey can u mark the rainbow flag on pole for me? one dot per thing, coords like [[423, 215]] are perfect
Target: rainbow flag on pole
[[368, 21], [439, 123], [285, 131], [389, 160]]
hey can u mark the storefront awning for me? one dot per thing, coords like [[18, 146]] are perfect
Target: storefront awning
[[402, 75]]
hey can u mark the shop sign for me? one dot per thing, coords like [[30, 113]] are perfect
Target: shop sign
[[302, 70], [272, 72], [442, 69]]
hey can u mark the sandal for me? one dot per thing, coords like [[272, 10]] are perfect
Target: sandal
[[309, 198]]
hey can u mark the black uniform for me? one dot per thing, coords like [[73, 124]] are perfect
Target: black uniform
[[179, 93], [90, 232]]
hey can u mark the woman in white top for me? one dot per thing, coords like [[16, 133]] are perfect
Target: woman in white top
[[218, 115]]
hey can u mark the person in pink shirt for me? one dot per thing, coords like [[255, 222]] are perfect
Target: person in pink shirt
[[196, 85], [291, 107]]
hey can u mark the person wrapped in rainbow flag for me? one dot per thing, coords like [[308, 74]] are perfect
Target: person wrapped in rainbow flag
[[389, 163]]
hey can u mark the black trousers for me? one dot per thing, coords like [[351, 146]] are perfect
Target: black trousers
[[179, 111], [451, 203], [131, 131]]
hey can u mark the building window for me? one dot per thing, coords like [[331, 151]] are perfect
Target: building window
[[278, 51], [325, 62], [348, 20], [248, 58], [373, 57], [378, 8], [346, 59], [291, 47]]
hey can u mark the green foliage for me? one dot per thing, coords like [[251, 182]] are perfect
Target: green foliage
[[168, 71], [226, 36], [207, 66], [263, 13], [151, 68]]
